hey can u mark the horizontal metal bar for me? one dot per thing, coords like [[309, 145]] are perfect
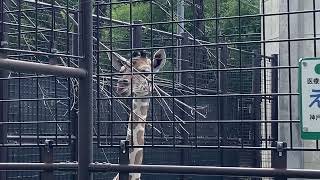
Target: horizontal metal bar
[[206, 170], [32, 67], [216, 44], [202, 95], [221, 17], [207, 121], [38, 166], [51, 5], [167, 169], [212, 147], [34, 122], [17, 145], [202, 70], [41, 53], [27, 77], [40, 99]]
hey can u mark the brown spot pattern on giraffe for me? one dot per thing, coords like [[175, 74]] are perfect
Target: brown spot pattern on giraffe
[[144, 110], [140, 137], [135, 106], [135, 117], [134, 125], [138, 158]]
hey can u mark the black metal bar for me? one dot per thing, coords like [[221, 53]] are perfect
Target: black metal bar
[[256, 115], [124, 158], [46, 154], [137, 34], [75, 37], [85, 125], [3, 89], [207, 170], [3, 118], [279, 158], [183, 65], [38, 166], [136, 42], [32, 67], [222, 115], [168, 169], [74, 114], [274, 104], [289, 74]]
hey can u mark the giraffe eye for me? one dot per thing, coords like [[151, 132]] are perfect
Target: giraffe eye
[[145, 72]]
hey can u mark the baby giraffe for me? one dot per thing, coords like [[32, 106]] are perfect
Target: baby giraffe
[[140, 85]]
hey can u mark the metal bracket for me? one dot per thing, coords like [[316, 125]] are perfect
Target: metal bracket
[[124, 158], [48, 145], [123, 146], [47, 157], [280, 148]]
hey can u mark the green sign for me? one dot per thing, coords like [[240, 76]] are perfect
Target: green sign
[[309, 90]]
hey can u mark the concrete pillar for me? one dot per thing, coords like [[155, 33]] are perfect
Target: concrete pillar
[[276, 28]]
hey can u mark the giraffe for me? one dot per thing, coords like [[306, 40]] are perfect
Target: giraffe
[[141, 87]]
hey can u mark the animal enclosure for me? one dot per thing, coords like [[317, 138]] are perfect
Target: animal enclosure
[[206, 81]]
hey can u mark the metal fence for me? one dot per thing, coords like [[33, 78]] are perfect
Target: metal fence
[[222, 107]]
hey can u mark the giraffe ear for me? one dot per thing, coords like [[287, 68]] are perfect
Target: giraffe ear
[[117, 60], [159, 60]]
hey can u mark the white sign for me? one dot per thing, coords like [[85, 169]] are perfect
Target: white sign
[[309, 88]]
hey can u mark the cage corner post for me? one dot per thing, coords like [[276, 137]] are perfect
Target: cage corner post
[[85, 125], [183, 57], [256, 89]]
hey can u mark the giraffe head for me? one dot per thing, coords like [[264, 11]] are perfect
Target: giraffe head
[[138, 76]]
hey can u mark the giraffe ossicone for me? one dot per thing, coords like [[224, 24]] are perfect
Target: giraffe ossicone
[[136, 82]]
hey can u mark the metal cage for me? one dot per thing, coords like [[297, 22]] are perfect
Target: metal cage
[[224, 106]]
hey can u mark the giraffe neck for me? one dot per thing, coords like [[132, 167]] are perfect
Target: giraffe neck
[[135, 133]]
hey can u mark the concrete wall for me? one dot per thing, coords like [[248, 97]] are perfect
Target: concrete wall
[[276, 28]]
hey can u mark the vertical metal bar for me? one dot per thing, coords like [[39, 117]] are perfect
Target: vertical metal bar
[[240, 72], [3, 118], [152, 76], [183, 61], [74, 116], [194, 25], [222, 100], [37, 79], [85, 125], [46, 155], [274, 104], [97, 34], [110, 128], [124, 158], [137, 34], [266, 110], [315, 43], [75, 36], [279, 157], [136, 43], [69, 79], [19, 80], [289, 75], [3, 89], [256, 115]]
